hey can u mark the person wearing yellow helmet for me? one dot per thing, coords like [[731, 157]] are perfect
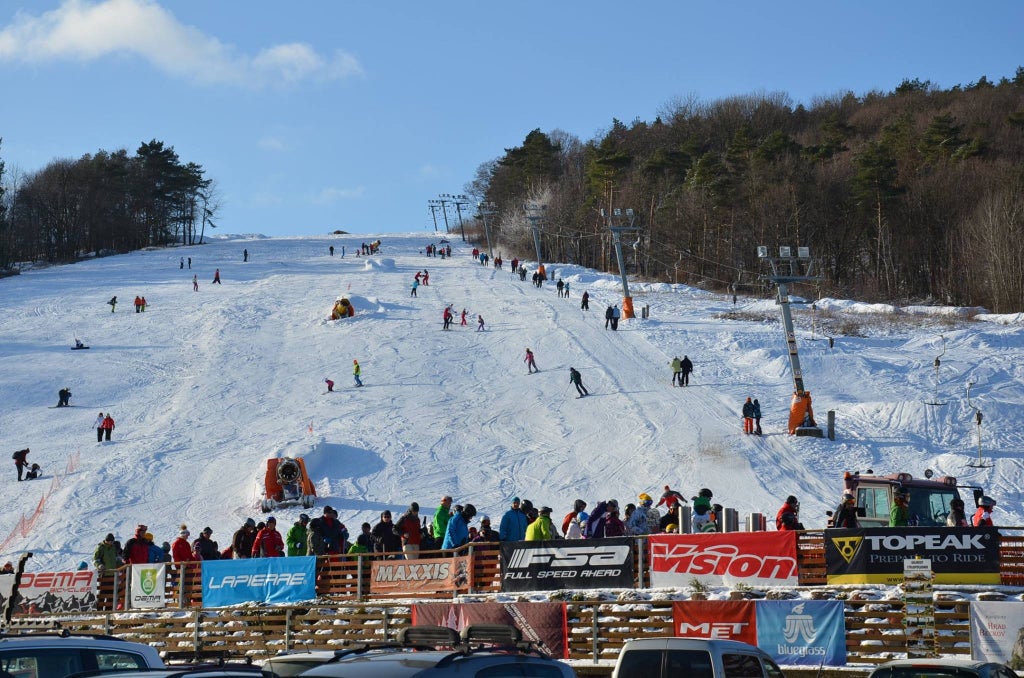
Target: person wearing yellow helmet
[[671, 528], [645, 519]]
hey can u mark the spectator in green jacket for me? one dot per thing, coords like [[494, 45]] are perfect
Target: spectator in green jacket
[[441, 517], [297, 536], [899, 514], [541, 529], [105, 557]]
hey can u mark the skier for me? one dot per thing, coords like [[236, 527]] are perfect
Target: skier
[[332, 254], [426, 277], [415, 285], [99, 427], [788, 517], [113, 303], [463, 323], [608, 318], [447, 316], [531, 364], [757, 417], [295, 540], [245, 256], [616, 314], [34, 472], [479, 323], [417, 276], [108, 426], [78, 344], [190, 263], [576, 380], [143, 299], [748, 417], [355, 373], [63, 396], [216, 277], [330, 384], [561, 286], [956, 516], [846, 515], [566, 290], [685, 367], [522, 273], [677, 371], [195, 283], [20, 461], [138, 304], [181, 264], [983, 516], [585, 304]]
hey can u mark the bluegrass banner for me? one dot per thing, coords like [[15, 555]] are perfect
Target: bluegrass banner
[[802, 632], [423, 575], [959, 555], [995, 631], [541, 623], [726, 559], [147, 585], [267, 580], [571, 564]]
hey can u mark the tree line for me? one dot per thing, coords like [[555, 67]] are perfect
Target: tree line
[[105, 202], [911, 195]]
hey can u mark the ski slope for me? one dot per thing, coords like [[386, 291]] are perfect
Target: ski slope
[[205, 386]]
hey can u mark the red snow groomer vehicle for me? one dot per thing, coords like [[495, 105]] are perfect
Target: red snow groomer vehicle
[[287, 484]]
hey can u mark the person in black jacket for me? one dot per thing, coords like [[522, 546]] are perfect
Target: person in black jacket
[[327, 535], [685, 367], [241, 543], [846, 515], [608, 317], [384, 538], [21, 461]]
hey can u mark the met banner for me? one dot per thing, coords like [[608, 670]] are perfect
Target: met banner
[[146, 589], [995, 630], [570, 564], [723, 619], [726, 559], [266, 580], [802, 632], [959, 555]]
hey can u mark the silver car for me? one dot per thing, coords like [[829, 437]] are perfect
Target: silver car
[[57, 655], [942, 668]]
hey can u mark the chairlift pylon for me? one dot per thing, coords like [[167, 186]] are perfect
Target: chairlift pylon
[[980, 463], [935, 402]]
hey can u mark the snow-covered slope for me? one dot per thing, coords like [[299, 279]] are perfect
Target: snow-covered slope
[[205, 386]]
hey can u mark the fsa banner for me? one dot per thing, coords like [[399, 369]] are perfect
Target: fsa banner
[[724, 619], [57, 592], [995, 630], [423, 575], [959, 555], [268, 580], [146, 589], [802, 632], [752, 558], [574, 564], [542, 623]]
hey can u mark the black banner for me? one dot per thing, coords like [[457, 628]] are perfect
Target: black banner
[[959, 555], [568, 564]]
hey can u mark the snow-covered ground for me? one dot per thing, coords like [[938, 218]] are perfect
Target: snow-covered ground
[[206, 386]]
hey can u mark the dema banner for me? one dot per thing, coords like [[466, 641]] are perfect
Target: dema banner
[[802, 632], [266, 580], [147, 586]]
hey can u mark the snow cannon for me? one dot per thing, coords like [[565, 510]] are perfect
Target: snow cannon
[[801, 416], [287, 484]]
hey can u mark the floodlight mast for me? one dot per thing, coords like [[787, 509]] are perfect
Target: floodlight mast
[[487, 209], [787, 268], [625, 225]]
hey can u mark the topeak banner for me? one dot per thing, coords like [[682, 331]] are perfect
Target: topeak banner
[[959, 555], [572, 564], [146, 588], [266, 580]]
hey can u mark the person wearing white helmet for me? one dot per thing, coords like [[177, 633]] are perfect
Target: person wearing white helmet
[[983, 516], [846, 515]]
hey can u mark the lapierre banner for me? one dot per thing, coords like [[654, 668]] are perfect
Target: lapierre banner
[[146, 589], [267, 580], [959, 555], [423, 575], [996, 630], [55, 591], [571, 564], [542, 623], [727, 559]]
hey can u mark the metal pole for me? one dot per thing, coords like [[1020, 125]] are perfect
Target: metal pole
[[458, 210], [622, 264], [787, 322], [487, 209], [433, 213], [444, 211]]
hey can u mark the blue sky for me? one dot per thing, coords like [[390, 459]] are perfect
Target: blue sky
[[316, 115]]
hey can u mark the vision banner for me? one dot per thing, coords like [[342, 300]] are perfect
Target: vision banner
[[571, 564], [423, 575], [268, 580], [56, 592], [542, 623], [724, 559], [959, 555], [996, 629], [146, 589], [802, 632]]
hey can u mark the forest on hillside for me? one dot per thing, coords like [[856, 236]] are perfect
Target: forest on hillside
[[104, 202], [911, 195]]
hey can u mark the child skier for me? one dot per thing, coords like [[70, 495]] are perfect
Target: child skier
[[355, 372]]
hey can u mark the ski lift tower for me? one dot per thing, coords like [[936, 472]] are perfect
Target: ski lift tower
[[484, 210], [535, 215], [619, 223], [786, 269]]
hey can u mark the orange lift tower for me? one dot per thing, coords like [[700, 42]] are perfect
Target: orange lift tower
[[786, 269], [626, 224]]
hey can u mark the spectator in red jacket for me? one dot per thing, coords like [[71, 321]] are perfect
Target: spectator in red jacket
[[107, 426], [181, 549], [408, 528], [136, 549], [269, 543]]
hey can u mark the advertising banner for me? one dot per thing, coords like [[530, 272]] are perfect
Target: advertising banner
[[420, 575], [146, 589], [802, 632], [724, 619], [959, 555], [542, 623], [55, 591], [571, 564], [726, 559], [996, 632], [267, 580]]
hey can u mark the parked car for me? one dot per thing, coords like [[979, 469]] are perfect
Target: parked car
[[481, 650], [693, 658], [941, 668], [205, 671], [58, 655]]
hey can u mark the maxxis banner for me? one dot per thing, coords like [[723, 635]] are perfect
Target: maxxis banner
[[567, 564]]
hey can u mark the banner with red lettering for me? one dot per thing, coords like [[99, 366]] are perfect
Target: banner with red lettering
[[57, 592], [725, 619], [423, 575], [724, 559], [542, 623]]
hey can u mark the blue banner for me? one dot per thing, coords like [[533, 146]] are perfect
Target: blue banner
[[266, 580], [802, 632]]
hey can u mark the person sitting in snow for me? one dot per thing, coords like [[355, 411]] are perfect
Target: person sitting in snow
[[34, 472], [63, 396]]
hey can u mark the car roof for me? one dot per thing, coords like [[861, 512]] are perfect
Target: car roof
[[404, 664], [679, 643], [934, 661]]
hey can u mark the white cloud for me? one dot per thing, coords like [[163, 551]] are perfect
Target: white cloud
[[332, 194], [81, 30], [269, 143]]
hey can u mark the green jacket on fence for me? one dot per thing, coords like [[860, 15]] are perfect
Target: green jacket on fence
[[296, 540]]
